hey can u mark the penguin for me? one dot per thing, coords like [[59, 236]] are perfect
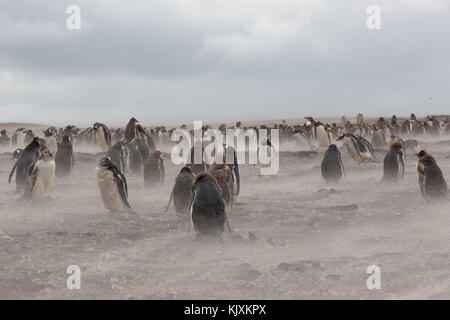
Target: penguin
[[394, 166], [224, 179], [103, 135], [359, 148], [50, 141], [142, 133], [378, 139], [142, 148], [322, 133], [18, 138], [232, 162], [396, 139], [40, 176], [117, 155], [15, 156], [134, 157], [4, 138], [113, 186], [435, 186], [332, 168], [27, 157], [29, 136], [207, 209], [64, 157], [154, 169], [130, 129], [182, 191]]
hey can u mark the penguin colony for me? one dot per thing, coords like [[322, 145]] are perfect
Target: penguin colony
[[203, 193]]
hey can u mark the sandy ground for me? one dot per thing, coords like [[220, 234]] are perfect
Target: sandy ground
[[301, 245]]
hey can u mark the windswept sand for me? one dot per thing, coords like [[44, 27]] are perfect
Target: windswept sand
[[302, 245]]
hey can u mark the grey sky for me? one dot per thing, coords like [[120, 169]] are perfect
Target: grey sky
[[167, 61]]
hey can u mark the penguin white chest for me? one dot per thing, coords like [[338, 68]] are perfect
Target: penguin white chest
[[20, 139], [108, 190], [100, 134], [323, 137], [52, 145], [44, 179]]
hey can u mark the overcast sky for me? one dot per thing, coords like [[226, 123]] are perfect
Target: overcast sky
[[166, 61]]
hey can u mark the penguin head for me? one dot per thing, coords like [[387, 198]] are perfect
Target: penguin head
[[46, 155], [133, 120], [332, 147], [421, 154], [105, 162]]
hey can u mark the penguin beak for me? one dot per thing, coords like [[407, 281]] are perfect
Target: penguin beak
[[416, 154]]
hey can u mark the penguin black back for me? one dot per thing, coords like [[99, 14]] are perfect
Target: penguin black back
[[332, 167], [393, 163], [27, 157], [207, 207], [182, 190], [64, 159], [435, 186]]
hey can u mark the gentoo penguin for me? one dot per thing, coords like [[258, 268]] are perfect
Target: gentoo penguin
[[15, 156], [154, 169], [113, 186], [232, 162], [332, 168], [359, 148], [64, 157], [322, 133], [143, 134], [142, 148], [396, 139], [378, 139], [27, 157], [117, 155], [134, 157], [224, 179], [18, 138], [29, 136], [182, 191], [422, 156], [432, 182], [4, 138], [40, 177], [207, 209], [360, 119], [130, 129], [103, 135], [393, 166], [50, 141]]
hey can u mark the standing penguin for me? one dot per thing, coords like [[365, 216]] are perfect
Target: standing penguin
[[332, 168], [64, 157], [103, 135], [113, 186], [40, 177], [378, 139], [207, 210], [431, 180], [224, 179], [232, 162], [27, 157], [50, 141], [134, 157], [117, 155], [394, 165], [182, 191], [130, 129], [4, 138], [154, 169]]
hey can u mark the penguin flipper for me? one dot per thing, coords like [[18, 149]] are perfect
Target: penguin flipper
[[12, 172]]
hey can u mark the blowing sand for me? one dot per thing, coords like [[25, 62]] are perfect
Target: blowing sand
[[294, 237]]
